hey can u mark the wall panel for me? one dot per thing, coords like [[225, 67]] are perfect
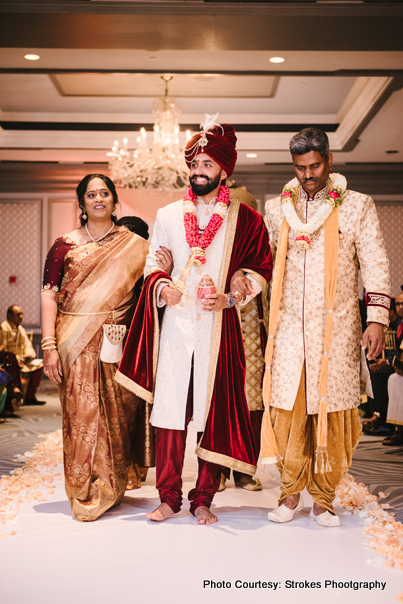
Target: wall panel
[[20, 256]]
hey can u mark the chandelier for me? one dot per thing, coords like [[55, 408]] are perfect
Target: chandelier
[[163, 167]]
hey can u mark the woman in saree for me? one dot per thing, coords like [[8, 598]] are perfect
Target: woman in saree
[[89, 286]]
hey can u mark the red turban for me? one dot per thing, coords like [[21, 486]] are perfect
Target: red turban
[[218, 143]]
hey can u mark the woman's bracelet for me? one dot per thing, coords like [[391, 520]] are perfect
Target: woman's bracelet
[[48, 343]]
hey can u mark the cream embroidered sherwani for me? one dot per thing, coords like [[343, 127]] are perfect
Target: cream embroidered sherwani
[[300, 328], [186, 330]]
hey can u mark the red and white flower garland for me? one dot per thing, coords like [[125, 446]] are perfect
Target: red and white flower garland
[[305, 231], [198, 244]]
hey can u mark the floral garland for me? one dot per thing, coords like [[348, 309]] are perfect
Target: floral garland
[[199, 245], [332, 200]]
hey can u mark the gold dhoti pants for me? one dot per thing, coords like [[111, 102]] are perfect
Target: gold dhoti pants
[[296, 435]]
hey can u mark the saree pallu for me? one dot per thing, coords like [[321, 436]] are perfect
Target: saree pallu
[[99, 418]]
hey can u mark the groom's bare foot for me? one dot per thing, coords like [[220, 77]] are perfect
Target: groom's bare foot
[[204, 516], [162, 512]]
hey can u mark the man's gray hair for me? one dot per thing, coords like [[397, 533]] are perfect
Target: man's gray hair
[[310, 139]]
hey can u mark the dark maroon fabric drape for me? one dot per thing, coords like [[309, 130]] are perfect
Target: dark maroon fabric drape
[[138, 354], [228, 428]]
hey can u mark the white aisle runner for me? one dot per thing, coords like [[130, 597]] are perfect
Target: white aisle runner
[[125, 558]]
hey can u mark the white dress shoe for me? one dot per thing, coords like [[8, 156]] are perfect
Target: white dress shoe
[[283, 513], [325, 519]]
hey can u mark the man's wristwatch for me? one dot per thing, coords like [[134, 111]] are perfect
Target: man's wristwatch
[[230, 300]]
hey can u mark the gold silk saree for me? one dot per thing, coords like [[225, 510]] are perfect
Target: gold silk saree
[[99, 418]]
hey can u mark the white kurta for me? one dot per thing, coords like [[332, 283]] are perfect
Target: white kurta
[[395, 406], [186, 329], [299, 336]]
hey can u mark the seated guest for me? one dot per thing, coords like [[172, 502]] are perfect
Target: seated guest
[[9, 364], [5, 378], [19, 343], [395, 407], [381, 371]]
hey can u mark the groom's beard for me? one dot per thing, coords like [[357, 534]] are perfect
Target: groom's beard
[[207, 187]]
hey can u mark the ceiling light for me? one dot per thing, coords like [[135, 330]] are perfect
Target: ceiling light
[[163, 167], [32, 57], [251, 155], [276, 60]]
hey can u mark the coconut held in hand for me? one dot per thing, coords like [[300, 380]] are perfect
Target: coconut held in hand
[[205, 287]]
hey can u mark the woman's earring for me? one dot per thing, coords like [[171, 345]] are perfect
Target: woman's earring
[[84, 215], [114, 212]]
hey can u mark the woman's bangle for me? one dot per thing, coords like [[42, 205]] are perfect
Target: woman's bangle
[[49, 346], [51, 338]]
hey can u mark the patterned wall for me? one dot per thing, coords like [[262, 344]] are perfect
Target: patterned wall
[[20, 254], [391, 221]]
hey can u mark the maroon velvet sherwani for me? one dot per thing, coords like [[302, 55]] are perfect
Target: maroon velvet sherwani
[[227, 437]]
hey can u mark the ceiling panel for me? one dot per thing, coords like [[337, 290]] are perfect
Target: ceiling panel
[[294, 95], [188, 85]]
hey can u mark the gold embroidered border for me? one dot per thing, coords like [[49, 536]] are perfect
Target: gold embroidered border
[[127, 383], [154, 269], [265, 299], [394, 421], [216, 337], [51, 289], [224, 460]]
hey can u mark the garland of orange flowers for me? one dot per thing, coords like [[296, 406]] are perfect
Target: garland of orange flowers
[[198, 244]]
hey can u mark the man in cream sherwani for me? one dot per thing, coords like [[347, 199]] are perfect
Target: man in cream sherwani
[[299, 334]]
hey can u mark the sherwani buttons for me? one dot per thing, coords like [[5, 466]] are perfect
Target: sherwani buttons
[[198, 317], [199, 271]]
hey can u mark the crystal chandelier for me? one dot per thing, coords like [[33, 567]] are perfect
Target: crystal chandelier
[[163, 167]]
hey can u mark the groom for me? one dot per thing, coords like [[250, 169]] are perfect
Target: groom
[[200, 371]]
